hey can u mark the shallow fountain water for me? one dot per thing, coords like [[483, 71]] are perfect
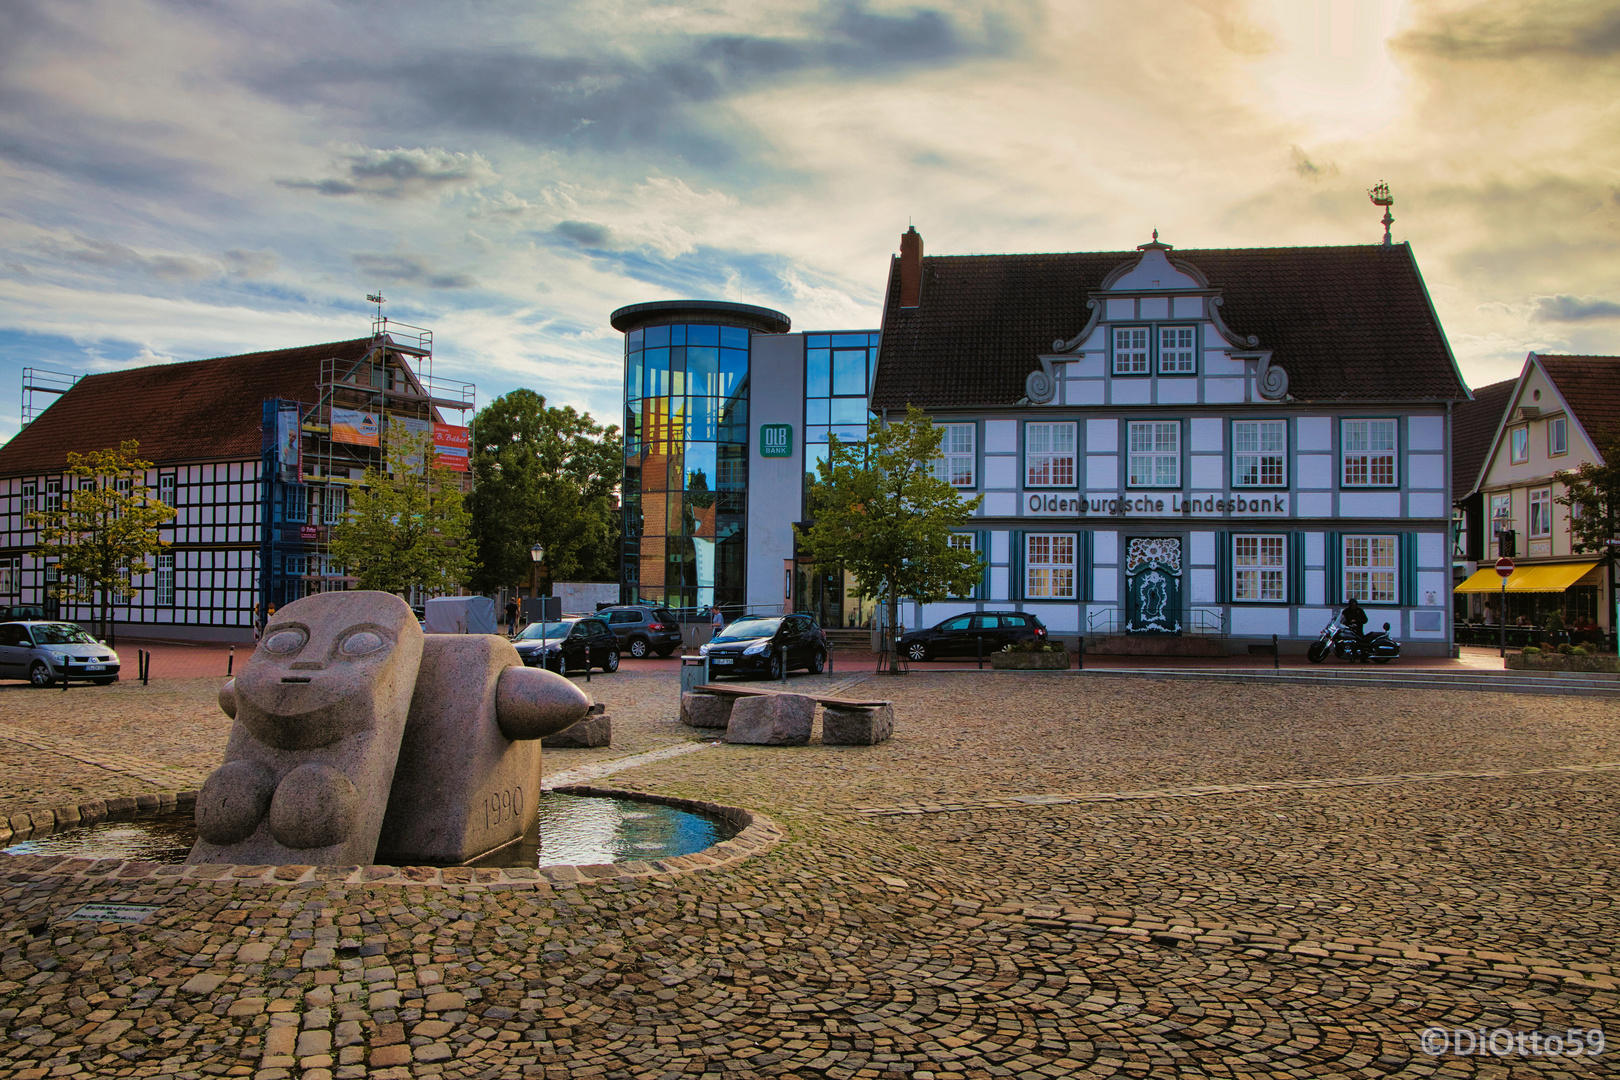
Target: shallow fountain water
[[571, 830]]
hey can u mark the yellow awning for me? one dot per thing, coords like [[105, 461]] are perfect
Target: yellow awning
[[1542, 577], [1548, 577]]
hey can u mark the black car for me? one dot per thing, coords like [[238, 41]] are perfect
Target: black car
[[643, 629], [959, 635], [758, 644], [572, 644]]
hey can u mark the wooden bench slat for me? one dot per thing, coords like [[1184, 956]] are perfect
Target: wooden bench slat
[[748, 691]]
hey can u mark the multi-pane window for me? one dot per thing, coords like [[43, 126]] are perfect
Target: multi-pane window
[[1259, 568], [166, 489], [961, 542], [1519, 445], [30, 496], [1049, 455], [1501, 516], [956, 464], [1369, 452], [164, 589], [1259, 453], [1176, 352], [1049, 566], [1558, 436], [1369, 569], [53, 495], [295, 502], [334, 500], [1155, 454], [1131, 350], [10, 575], [1541, 505]]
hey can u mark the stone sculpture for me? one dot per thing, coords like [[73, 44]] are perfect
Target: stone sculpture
[[469, 767], [355, 734], [319, 707]]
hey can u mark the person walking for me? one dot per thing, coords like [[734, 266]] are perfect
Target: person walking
[[511, 617], [716, 620]]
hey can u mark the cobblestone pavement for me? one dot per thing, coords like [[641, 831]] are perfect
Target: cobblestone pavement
[[1038, 877]]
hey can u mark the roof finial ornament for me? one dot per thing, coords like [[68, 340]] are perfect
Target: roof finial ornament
[[1154, 244], [1380, 196], [1155, 236]]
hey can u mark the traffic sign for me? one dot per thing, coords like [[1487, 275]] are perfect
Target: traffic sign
[[1504, 566]]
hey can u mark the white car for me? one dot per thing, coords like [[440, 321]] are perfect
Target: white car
[[39, 651]]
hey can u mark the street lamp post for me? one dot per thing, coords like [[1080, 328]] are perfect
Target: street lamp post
[[538, 554]]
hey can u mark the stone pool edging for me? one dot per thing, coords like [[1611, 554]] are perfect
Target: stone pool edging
[[758, 835]]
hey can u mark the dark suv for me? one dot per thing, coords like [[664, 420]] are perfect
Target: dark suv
[[959, 635], [762, 644], [643, 629]]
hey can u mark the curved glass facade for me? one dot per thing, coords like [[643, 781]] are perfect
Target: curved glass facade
[[686, 464]]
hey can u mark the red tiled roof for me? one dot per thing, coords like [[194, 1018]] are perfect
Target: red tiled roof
[[1473, 431], [203, 410], [1590, 385], [1345, 323]]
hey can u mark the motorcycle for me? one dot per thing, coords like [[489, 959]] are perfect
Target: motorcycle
[[1346, 644]]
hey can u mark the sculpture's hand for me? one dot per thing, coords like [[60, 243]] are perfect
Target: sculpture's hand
[[227, 698], [531, 703]]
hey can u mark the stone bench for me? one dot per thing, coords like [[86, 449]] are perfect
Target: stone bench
[[750, 715]]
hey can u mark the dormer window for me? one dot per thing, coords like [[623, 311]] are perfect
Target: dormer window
[[1131, 350], [1176, 350]]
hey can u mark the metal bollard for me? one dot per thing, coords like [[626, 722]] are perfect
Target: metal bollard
[[1276, 656], [980, 640], [1080, 655], [782, 650], [230, 662], [67, 675]]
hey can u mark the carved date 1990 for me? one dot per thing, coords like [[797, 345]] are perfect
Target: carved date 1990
[[502, 806]]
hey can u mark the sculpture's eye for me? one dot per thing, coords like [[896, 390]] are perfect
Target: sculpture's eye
[[284, 642], [362, 643]]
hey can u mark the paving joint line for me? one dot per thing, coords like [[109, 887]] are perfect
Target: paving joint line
[[586, 773], [1024, 802]]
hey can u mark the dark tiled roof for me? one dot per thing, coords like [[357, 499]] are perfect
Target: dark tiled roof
[[1346, 323], [1591, 387], [1473, 431], [197, 411]]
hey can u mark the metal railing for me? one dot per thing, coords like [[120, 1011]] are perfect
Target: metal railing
[[1198, 620]]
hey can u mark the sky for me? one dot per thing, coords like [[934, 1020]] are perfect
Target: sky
[[181, 179]]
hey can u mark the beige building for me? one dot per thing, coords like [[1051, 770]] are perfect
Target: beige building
[[1554, 417]]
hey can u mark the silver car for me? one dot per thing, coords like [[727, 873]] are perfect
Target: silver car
[[38, 651]]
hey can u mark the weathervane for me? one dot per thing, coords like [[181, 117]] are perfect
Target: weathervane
[[377, 298], [1380, 196]]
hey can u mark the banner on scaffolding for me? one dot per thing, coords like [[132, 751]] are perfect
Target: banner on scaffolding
[[355, 426], [289, 443], [420, 434], [450, 444]]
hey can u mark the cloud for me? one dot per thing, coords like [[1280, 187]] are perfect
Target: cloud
[[400, 173], [1567, 308], [103, 254], [1308, 169], [250, 264], [401, 266], [1510, 29], [586, 234]]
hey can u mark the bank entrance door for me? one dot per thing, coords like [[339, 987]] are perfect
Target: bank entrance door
[[1153, 585]]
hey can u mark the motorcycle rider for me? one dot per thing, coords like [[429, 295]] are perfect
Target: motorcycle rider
[[1355, 617]]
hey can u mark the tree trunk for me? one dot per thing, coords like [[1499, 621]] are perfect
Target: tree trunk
[[892, 631]]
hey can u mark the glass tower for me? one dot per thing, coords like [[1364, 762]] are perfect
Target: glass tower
[[685, 487]]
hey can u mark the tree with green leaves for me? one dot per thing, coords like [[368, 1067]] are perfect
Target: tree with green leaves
[[546, 476], [1592, 491], [104, 531], [407, 525], [878, 511]]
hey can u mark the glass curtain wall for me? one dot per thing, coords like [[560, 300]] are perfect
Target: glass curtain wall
[[686, 464], [838, 371]]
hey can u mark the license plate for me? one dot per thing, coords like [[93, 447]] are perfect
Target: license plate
[[93, 667], [720, 661]]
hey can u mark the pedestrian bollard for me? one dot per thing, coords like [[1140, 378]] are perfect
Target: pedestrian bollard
[[67, 673], [1276, 656], [829, 658], [782, 652], [980, 640], [230, 661], [1080, 655]]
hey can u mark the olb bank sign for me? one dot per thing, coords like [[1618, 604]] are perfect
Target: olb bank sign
[[1157, 504]]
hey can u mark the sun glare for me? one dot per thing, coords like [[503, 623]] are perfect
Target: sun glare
[[1331, 69]]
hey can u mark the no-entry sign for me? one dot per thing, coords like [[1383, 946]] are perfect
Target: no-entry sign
[[1504, 566]]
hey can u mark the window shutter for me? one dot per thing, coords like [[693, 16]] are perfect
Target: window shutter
[[982, 542], [1296, 568], [1408, 557], [1083, 558], [1015, 566], [1333, 550], [1223, 568]]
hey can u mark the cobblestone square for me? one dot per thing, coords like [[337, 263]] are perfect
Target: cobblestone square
[[1039, 876]]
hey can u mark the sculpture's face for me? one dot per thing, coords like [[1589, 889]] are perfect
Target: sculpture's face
[[321, 665]]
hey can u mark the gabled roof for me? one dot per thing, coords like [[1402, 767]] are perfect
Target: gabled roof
[[1474, 425], [202, 410], [1590, 386], [1345, 323]]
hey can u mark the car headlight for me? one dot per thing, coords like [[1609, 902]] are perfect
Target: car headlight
[[703, 650], [758, 649]]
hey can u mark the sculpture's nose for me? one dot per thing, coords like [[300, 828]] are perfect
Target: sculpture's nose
[[307, 665]]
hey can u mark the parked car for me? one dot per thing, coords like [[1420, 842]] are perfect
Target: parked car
[[38, 651], [574, 644], [22, 613], [959, 635], [757, 645], [643, 629]]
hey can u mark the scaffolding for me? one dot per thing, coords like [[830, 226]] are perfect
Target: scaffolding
[[36, 381]]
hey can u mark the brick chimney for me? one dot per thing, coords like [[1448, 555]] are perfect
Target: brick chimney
[[911, 253]]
